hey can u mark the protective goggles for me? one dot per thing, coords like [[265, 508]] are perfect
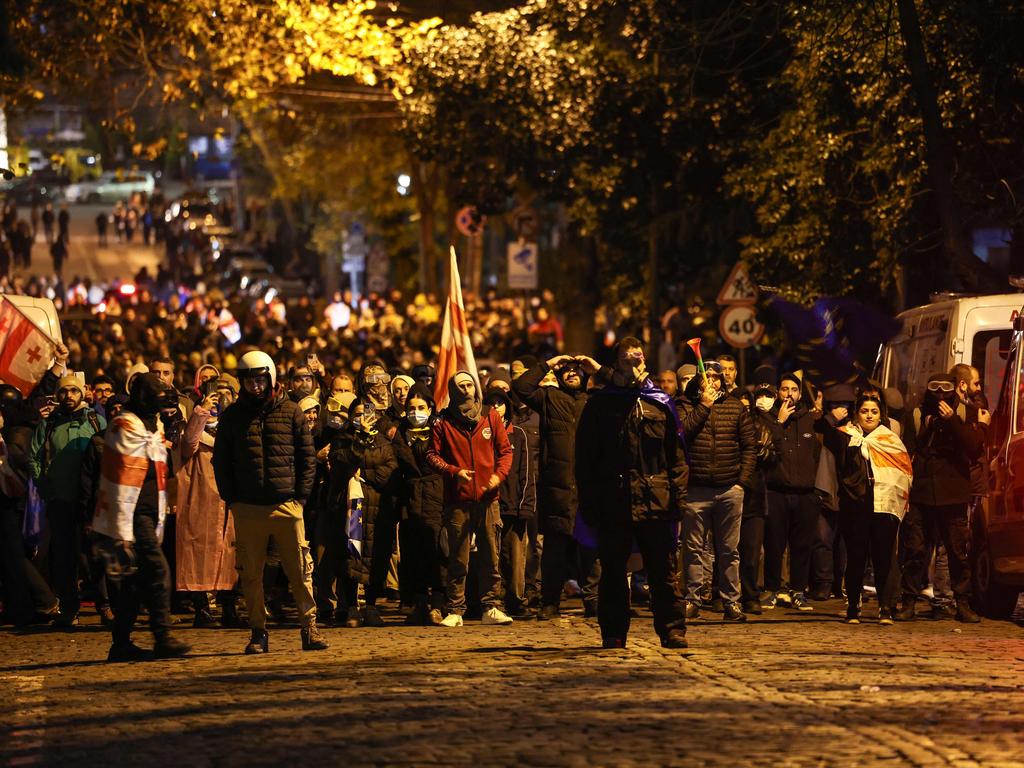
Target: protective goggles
[[334, 405], [378, 378], [941, 386]]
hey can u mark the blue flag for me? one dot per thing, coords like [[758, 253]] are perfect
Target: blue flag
[[832, 337]]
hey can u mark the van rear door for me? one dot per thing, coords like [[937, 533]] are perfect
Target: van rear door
[[985, 344]]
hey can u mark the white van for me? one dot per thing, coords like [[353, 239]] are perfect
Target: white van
[[976, 330]]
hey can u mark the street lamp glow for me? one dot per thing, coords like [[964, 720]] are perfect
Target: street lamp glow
[[404, 182]]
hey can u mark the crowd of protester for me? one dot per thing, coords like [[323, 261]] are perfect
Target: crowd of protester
[[239, 459]]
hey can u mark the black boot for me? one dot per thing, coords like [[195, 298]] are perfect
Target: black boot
[[312, 640], [965, 613], [127, 651], [259, 642], [167, 647], [908, 611]]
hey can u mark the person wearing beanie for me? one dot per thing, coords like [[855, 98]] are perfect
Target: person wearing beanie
[[559, 408], [205, 528], [130, 518], [793, 506], [684, 375], [400, 384], [421, 570], [517, 500], [55, 459]]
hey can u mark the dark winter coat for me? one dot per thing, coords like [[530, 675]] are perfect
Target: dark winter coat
[[423, 491], [799, 452], [517, 496], [559, 411], [755, 499], [721, 441], [378, 468], [630, 464], [853, 475], [944, 452], [264, 453]]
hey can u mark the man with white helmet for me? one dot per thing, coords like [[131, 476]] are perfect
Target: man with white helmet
[[265, 462]]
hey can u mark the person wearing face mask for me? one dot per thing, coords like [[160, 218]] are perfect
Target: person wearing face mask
[[422, 568], [365, 459], [559, 408], [793, 507], [723, 458], [374, 388], [517, 501], [470, 448], [874, 481], [399, 387], [302, 383], [265, 463], [130, 513], [755, 502], [205, 557], [331, 545], [55, 458], [632, 475], [945, 447]]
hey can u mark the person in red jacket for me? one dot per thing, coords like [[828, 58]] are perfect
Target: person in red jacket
[[470, 448]]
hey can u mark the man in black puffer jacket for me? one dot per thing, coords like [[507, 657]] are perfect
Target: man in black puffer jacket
[[265, 463], [559, 408], [723, 457]]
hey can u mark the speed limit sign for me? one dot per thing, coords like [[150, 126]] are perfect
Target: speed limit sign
[[739, 326]]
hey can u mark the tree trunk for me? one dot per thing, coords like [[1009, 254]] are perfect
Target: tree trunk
[[581, 300], [938, 149]]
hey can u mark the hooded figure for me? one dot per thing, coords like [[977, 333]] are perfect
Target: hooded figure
[[464, 405], [203, 374], [374, 389]]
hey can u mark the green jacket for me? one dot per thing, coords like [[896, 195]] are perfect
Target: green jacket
[[58, 445]]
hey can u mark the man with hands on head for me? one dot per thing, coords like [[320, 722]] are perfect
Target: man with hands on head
[[560, 408]]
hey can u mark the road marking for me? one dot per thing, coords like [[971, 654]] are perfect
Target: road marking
[[26, 728]]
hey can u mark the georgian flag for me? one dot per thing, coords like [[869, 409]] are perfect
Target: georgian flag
[[456, 353], [26, 353]]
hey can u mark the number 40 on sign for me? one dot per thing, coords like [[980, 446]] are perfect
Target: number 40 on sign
[[739, 326]]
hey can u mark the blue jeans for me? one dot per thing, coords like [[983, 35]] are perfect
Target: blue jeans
[[718, 511]]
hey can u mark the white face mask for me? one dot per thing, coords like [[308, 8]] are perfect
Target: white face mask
[[417, 418], [764, 403]]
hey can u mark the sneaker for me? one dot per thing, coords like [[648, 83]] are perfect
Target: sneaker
[[613, 642], [732, 612], [123, 652], [106, 616], [312, 640], [676, 638], [451, 620], [203, 619], [908, 611], [372, 617], [692, 610], [495, 616], [354, 620], [800, 602], [965, 614], [769, 601], [940, 612], [548, 613], [168, 647], [885, 616], [784, 599], [259, 642], [752, 607], [853, 614], [436, 618]]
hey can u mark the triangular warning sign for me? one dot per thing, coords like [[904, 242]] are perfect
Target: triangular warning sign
[[738, 288]]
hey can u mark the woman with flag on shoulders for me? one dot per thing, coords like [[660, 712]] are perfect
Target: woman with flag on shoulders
[[875, 475]]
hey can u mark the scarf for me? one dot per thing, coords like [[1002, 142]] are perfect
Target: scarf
[[890, 467], [463, 409], [129, 449]]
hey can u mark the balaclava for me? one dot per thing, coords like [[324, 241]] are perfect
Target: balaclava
[[467, 407]]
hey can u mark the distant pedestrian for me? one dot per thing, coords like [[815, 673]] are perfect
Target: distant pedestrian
[[102, 220], [34, 218], [64, 224], [49, 219], [147, 225], [59, 253]]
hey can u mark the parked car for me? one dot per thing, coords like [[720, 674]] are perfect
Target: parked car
[[27, 190], [111, 186], [997, 525]]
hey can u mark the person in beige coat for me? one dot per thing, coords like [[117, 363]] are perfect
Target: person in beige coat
[[206, 532]]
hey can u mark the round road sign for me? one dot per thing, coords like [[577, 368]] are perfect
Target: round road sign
[[739, 326]]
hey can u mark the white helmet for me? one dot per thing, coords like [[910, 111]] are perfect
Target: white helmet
[[255, 363]]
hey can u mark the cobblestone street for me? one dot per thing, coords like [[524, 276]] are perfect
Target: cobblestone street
[[788, 689]]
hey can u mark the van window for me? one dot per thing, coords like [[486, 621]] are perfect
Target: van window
[[989, 351]]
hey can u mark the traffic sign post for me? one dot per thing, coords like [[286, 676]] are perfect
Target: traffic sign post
[[522, 266], [738, 323]]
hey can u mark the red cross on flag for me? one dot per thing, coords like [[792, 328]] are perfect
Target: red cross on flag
[[26, 353], [456, 353]]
